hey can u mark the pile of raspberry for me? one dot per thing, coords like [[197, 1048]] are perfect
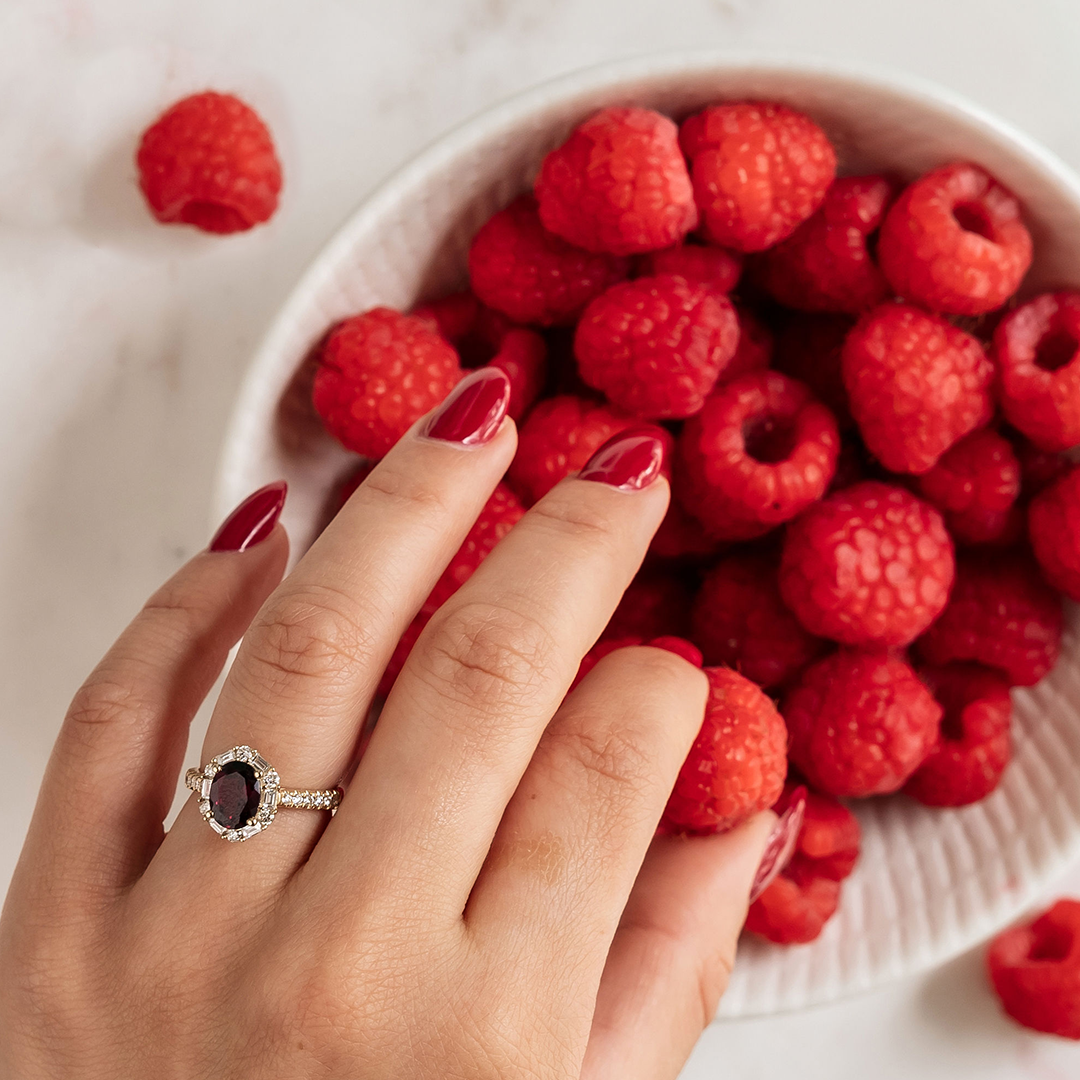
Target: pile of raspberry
[[872, 523]]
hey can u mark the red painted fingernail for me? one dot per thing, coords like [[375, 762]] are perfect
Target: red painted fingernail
[[253, 520], [631, 460], [474, 410], [781, 844]]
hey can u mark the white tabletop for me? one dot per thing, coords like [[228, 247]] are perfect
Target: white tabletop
[[122, 343]]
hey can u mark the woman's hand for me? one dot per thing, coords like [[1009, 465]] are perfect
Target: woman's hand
[[489, 901]]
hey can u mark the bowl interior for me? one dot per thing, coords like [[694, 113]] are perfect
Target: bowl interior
[[930, 883]]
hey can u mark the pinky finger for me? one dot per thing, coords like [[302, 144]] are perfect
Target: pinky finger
[[673, 952]]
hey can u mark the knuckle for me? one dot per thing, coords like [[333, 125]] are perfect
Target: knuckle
[[393, 488], [103, 702], [575, 518], [617, 764]]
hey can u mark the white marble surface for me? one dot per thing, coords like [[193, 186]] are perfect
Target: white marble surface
[[122, 343]]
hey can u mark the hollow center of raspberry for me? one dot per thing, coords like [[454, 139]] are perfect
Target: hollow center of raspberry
[[952, 726], [1052, 943], [1055, 350], [769, 440], [971, 217]]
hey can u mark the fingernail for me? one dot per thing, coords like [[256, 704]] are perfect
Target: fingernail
[[253, 520], [781, 844], [471, 415], [631, 460]]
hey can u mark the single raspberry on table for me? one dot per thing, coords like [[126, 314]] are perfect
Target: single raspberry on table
[[557, 438], [656, 604], [808, 348], [1054, 529], [209, 161], [1035, 971], [701, 264], [916, 385], [1037, 350], [1001, 614], [377, 374], [655, 345], [755, 348], [606, 646], [759, 170], [737, 764], [519, 268], [975, 485], [955, 242], [825, 264], [860, 723], [739, 620], [870, 565], [618, 184], [759, 452], [974, 745]]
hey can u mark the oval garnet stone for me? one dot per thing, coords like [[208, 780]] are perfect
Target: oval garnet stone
[[234, 795]]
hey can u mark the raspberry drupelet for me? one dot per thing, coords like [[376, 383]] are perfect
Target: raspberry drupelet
[[618, 184], [701, 264], [1054, 530], [870, 565], [1037, 350], [860, 723], [954, 241], [655, 346], [759, 170], [759, 452], [916, 385]]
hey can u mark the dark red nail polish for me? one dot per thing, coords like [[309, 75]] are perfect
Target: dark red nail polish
[[781, 844], [631, 460], [474, 410], [253, 520]]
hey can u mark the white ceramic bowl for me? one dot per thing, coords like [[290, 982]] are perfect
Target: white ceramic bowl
[[930, 883]]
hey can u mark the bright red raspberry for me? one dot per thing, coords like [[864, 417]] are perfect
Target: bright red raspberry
[[759, 170], [716, 267], [656, 345], [870, 565], [378, 373], [739, 620], [454, 316], [916, 385], [737, 764], [860, 723], [523, 356], [558, 438], [760, 451], [517, 267], [618, 184], [656, 604], [1054, 529], [606, 646], [209, 161], [825, 264], [1035, 971], [755, 349], [681, 536], [1037, 349], [830, 838], [1001, 614], [954, 242], [974, 746], [808, 348], [975, 485]]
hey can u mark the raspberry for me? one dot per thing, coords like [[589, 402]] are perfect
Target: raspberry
[[737, 763], [605, 647], [1001, 614], [755, 349], [1035, 971], [523, 356], [1038, 359], [1038, 468], [655, 345], [738, 619], [954, 242], [454, 316], [656, 604], [209, 161], [825, 264], [974, 745], [618, 184], [975, 485], [378, 373], [558, 438], [517, 267], [808, 348], [713, 266], [1054, 528], [760, 451], [870, 565], [759, 170], [829, 840], [860, 723], [681, 536]]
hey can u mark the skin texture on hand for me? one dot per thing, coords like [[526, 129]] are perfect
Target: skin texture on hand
[[489, 901]]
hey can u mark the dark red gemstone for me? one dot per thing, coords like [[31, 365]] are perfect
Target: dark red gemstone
[[234, 795]]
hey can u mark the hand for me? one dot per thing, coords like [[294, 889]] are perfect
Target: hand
[[489, 901]]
